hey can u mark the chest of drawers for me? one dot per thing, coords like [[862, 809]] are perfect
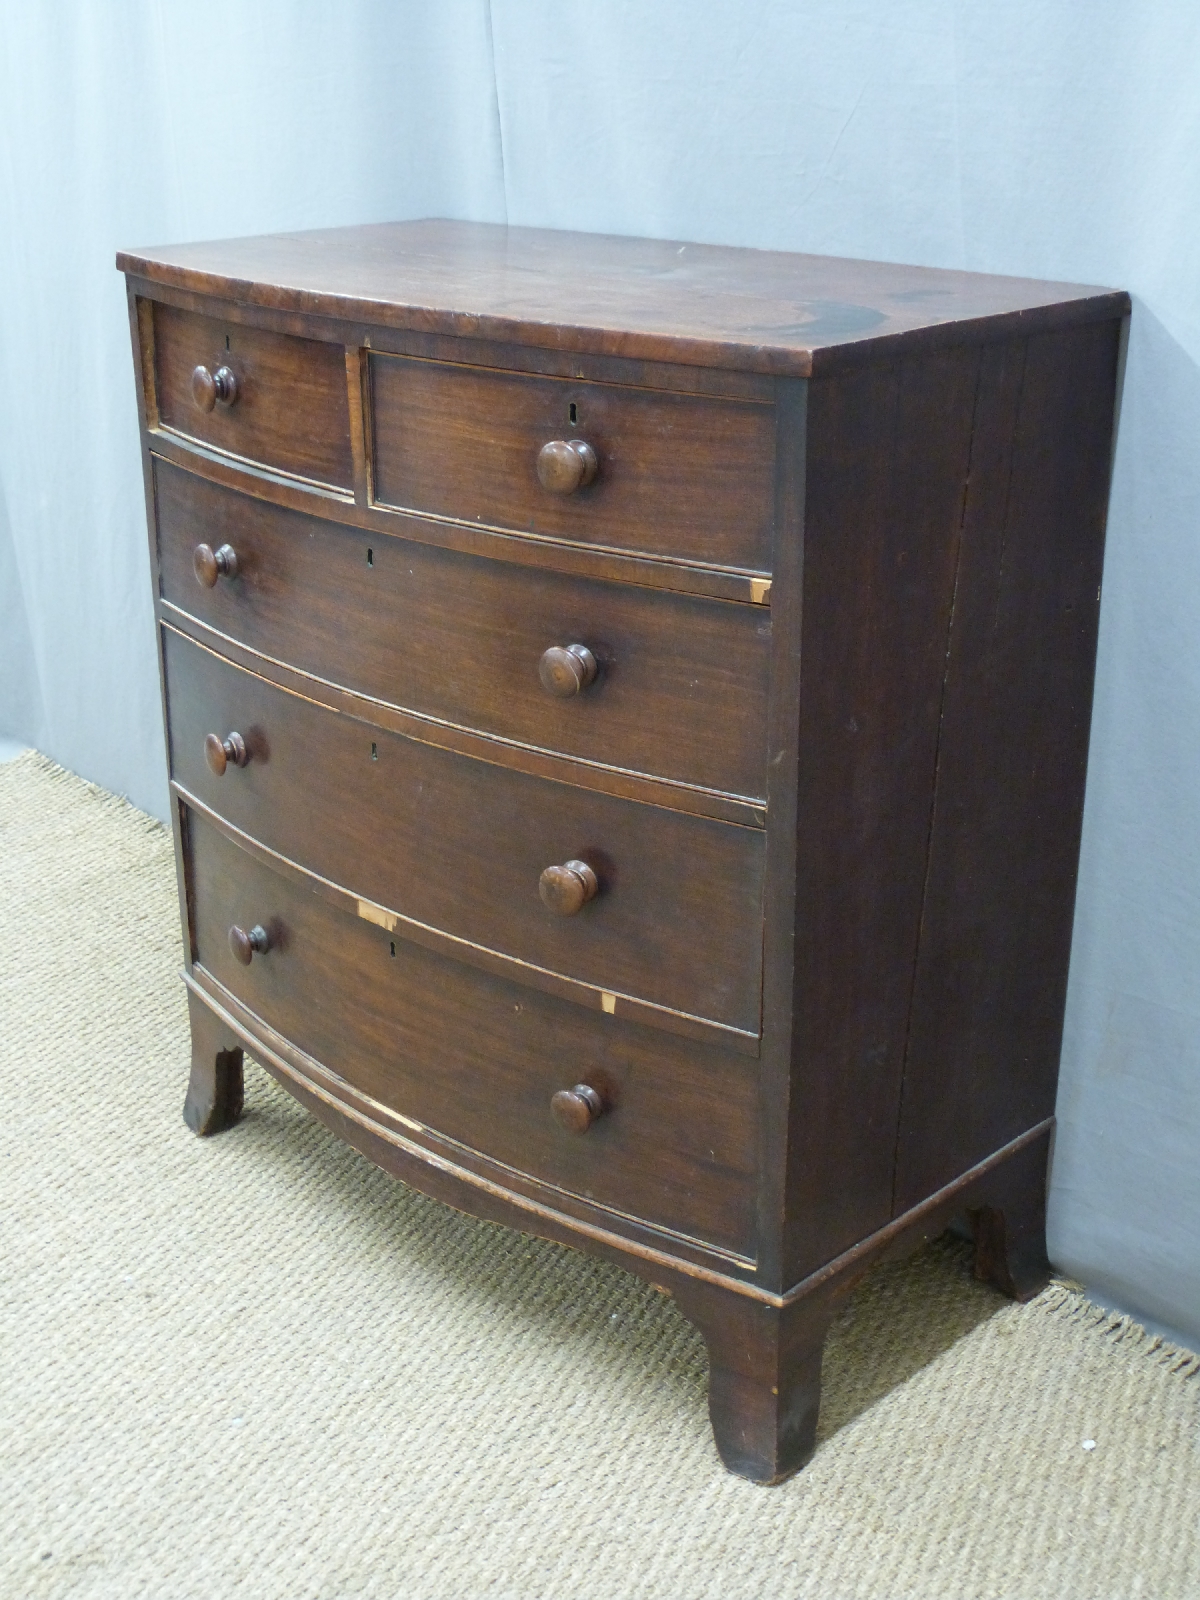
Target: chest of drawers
[[627, 709]]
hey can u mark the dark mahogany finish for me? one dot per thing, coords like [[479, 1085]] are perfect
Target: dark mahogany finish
[[676, 474], [577, 1108], [550, 818], [292, 411], [567, 889], [476, 1058], [459, 638], [210, 389], [220, 753], [464, 847], [566, 671], [209, 564], [246, 946], [565, 465]]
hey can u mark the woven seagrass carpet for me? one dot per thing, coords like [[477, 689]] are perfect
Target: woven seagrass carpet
[[254, 1366]]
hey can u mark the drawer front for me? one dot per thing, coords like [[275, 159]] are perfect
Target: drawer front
[[678, 475], [681, 689], [290, 411], [460, 845], [478, 1059]]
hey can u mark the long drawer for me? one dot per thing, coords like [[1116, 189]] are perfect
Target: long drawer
[[460, 845], [478, 1059], [682, 475], [681, 686]]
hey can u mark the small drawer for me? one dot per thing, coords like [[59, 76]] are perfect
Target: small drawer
[[285, 406], [462, 846], [677, 475], [680, 690], [479, 1059]]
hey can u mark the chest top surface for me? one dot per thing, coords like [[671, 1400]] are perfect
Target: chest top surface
[[647, 299]]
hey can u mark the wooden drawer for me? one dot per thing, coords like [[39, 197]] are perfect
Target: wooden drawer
[[290, 412], [682, 687], [477, 1058], [459, 845], [680, 475]]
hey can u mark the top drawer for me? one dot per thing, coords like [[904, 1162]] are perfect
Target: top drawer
[[289, 408], [679, 475]]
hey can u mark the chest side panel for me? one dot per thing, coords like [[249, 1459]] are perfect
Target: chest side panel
[[888, 454], [991, 979]]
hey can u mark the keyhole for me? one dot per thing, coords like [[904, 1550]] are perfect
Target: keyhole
[[574, 412], [374, 752], [393, 947], [227, 347], [370, 557]]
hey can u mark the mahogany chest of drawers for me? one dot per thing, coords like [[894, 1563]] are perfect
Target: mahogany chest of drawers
[[627, 708]]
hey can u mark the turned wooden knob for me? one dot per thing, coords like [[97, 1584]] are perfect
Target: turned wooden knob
[[214, 388], [567, 889], [566, 669], [245, 944], [565, 465], [576, 1109], [220, 752], [209, 564]]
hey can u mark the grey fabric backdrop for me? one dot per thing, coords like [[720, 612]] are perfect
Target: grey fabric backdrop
[[1056, 140]]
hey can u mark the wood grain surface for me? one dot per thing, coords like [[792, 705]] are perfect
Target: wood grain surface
[[990, 984], [830, 560], [461, 845], [291, 411], [888, 457], [686, 476], [651, 299], [682, 687], [479, 1059]]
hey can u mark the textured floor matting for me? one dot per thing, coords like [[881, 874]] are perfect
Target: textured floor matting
[[254, 1366]]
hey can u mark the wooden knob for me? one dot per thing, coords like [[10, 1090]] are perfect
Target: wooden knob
[[220, 752], [567, 889], [565, 465], [576, 1109], [245, 944], [209, 564], [214, 388], [566, 669]]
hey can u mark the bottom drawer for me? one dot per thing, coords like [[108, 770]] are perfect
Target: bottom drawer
[[477, 1058]]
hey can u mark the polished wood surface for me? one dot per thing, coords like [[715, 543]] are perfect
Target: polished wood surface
[[990, 982], [889, 452], [576, 1109], [479, 1059], [567, 889], [654, 299], [683, 475], [214, 388], [567, 670], [462, 846], [674, 855], [245, 946], [215, 1086], [221, 753], [666, 661], [208, 564], [291, 413], [564, 465]]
